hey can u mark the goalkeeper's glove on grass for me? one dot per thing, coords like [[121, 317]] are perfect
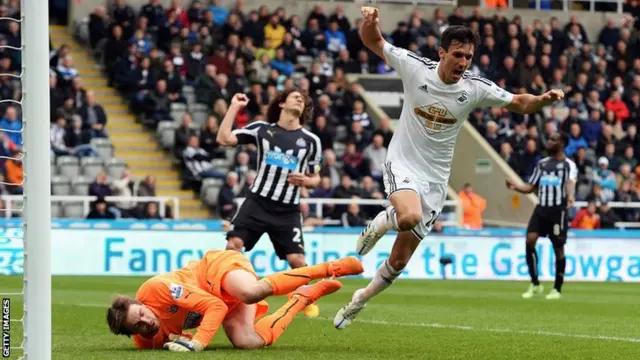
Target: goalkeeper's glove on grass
[[183, 344]]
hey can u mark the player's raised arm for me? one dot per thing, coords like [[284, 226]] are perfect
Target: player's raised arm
[[370, 32], [490, 94], [404, 62], [529, 104], [225, 136]]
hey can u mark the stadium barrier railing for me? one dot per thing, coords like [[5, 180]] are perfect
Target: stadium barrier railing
[[454, 220], [13, 203]]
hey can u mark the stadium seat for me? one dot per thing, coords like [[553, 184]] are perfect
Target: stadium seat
[[56, 210], [74, 210], [222, 163], [583, 191], [104, 146], [199, 117], [80, 185], [177, 111], [210, 190], [189, 93], [339, 149], [68, 166], [54, 168], [115, 168], [91, 166], [165, 133], [60, 185]]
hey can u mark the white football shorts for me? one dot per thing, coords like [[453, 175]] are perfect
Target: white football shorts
[[432, 195]]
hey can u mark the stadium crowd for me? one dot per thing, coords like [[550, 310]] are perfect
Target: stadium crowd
[[152, 53]]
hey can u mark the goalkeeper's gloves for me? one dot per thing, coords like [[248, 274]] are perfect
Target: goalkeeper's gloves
[[183, 344]]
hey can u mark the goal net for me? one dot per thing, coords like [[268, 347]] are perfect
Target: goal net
[[25, 247]]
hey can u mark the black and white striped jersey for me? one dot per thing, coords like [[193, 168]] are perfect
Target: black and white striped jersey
[[551, 177], [280, 152]]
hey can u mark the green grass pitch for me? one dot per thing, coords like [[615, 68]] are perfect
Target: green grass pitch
[[411, 320]]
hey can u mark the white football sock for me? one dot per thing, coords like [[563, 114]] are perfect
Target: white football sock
[[386, 222], [383, 279]]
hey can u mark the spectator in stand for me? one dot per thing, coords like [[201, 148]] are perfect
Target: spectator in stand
[[182, 135], [158, 103], [323, 191], [124, 187], [587, 218], [63, 141], [473, 205], [608, 217], [605, 178], [576, 141], [100, 187], [151, 212], [226, 196], [619, 107], [11, 125], [79, 140], [14, 173], [100, 211], [375, 155], [352, 217], [198, 161], [355, 164], [369, 191], [94, 117]]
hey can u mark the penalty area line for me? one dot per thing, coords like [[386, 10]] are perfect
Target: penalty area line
[[494, 330]]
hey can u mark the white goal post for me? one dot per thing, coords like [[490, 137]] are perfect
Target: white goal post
[[37, 180]]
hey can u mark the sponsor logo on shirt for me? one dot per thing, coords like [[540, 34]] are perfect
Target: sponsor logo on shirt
[[282, 160], [192, 321], [549, 180], [436, 117]]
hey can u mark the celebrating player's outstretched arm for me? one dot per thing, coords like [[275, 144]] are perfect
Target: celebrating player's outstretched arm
[[225, 136], [530, 104]]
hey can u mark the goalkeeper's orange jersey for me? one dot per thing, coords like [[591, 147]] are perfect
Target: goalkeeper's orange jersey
[[192, 297]]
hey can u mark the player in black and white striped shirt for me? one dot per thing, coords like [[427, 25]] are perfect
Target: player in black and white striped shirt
[[554, 178], [288, 158]]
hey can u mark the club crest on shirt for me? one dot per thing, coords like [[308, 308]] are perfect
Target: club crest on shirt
[[462, 98], [173, 309], [436, 117], [301, 143]]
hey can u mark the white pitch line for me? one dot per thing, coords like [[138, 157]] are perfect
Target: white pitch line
[[457, 327], [496, 330]]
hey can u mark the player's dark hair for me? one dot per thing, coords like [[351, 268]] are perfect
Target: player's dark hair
[[460, 34], [117, 313], [274, 109]]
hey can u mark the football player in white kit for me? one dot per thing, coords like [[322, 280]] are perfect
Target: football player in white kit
[[438, 98]]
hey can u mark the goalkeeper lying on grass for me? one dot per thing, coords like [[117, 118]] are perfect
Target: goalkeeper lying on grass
[[221, 289]]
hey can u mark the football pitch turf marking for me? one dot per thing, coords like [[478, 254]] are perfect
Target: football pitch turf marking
[[496, 330], [455, 327]]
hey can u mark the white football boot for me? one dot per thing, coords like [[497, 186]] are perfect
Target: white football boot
[[532, 291], [372, 233], [554, 295], [348, 313]]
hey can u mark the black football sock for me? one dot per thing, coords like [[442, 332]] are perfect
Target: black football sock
[[532, 264], [560, 267]]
